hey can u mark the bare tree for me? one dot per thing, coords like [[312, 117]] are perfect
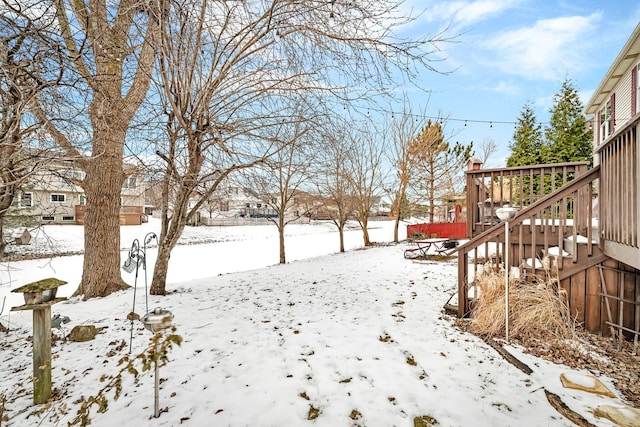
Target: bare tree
[[486, 149], [366, 173], [26, 54], [111, 48], [332, 180], [408, 151], [215, 112], [228, 71], [279, 180]]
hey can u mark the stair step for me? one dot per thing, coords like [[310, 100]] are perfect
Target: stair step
[[580, 240], [555, 251], [533, 262]]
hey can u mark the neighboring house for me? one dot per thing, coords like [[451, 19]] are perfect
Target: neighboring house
[[585, 221], [52, 196], [231, 200]]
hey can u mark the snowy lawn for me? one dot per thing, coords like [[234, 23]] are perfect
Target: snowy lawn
[[344, 339]]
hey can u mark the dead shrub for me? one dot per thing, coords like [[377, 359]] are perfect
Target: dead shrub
[[537, 308]]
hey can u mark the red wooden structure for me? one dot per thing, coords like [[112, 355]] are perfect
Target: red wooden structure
[[449, 230]]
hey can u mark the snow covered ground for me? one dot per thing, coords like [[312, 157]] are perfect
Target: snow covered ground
[[356, 338]]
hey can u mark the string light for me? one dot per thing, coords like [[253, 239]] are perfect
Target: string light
[[468, 121], [589, 122]]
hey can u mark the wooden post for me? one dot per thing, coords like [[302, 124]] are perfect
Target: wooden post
[[40, 296], [41, 354]]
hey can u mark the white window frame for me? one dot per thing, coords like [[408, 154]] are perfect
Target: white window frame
[[82, 200], [68, 218], [64, 198], [48, 218], [21, 199], [605, 121], [130, 182]]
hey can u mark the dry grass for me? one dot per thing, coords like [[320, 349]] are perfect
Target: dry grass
[[540, 321], [537, 308]]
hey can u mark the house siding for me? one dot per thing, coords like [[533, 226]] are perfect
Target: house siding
[[623, 100], [55, 179], [619, 156]]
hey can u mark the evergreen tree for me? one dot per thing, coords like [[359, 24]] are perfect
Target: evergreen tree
[[567, 138], [526, 147]]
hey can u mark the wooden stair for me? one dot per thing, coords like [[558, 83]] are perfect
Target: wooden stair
[[603, 293], [537, 231]]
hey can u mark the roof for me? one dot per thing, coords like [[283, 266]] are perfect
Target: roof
[[623, 62]]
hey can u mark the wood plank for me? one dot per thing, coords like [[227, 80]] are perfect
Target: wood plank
[[577, 299], [593, 310], [629, 284], [41, 354], [463, 279], [38, 306], [565, 285], [610, 279]]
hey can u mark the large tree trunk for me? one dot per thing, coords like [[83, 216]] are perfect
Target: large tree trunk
[[101, 268]]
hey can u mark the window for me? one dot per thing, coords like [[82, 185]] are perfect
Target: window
[[259, 205], [58, 198], [25, 200], [129, 182], [48, 217], [605, 122], [72, 174], [68, 218], [82, 200]]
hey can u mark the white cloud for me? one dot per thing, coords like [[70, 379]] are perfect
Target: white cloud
[[548, 50], [504, 87], [464, 13]]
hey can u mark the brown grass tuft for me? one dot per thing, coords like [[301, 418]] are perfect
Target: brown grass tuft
[[537, 308]]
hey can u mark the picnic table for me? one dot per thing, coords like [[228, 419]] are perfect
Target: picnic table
[[422, 247]]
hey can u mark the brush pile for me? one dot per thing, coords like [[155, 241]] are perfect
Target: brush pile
[[537, 307]]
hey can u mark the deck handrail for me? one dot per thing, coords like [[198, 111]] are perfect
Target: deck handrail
[[538, 206], [488, 189], [527, 167], [529, 212]]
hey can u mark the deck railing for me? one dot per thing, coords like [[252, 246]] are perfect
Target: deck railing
[[489, 189], [546, 222], [619, 198]]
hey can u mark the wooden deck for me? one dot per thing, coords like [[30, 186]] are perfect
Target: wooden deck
[[558, 214]]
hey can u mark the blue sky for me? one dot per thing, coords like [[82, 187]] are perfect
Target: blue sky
[[509, 52]]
